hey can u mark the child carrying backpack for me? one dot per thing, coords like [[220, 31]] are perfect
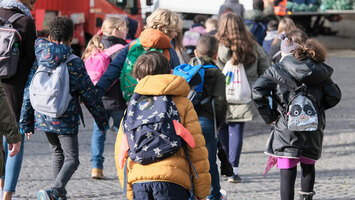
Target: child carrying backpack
[[211, 106], [162, 26], [59, 76], [302, 88], [100, 51], [152, 162]]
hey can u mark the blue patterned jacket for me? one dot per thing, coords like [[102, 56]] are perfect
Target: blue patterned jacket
[[50, 55]]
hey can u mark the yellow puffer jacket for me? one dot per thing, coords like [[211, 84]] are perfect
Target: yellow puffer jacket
[[174, 169]]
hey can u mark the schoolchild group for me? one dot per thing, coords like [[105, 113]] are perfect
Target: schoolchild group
[[174, 111]]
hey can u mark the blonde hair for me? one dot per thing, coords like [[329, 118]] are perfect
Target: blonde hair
[[285, 25], [211, 23], [165, 21], [108, 26]]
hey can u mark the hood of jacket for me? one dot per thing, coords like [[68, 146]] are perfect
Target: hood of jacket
[[254, 15], [50, 54], [163, 84], [307, 71], [153, 38], [13, 4]]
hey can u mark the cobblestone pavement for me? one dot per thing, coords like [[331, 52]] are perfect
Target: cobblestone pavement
[[335, 171]]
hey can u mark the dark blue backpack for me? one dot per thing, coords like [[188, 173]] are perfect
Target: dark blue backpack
[[195, 76], [258, 29], [148, 123]]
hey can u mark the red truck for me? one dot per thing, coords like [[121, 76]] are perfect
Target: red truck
[[87, 15]]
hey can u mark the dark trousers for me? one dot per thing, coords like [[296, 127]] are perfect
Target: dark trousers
[[65, 160], [157, 190], [231, 137], [288, 178]]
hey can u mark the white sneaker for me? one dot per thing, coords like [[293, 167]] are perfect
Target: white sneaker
[[224, 194]]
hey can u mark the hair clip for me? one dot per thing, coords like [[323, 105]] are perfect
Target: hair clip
[[282, 36]]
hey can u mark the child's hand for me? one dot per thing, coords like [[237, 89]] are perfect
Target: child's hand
[[29, 134]]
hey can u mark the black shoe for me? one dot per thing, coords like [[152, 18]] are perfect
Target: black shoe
[[234, 179]]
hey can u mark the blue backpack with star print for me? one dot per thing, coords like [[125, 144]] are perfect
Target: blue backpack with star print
[[149, 126]]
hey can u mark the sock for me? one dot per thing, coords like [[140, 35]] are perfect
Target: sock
[[235, 170]]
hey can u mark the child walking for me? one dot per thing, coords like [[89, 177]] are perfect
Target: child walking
[[302, 64], [170, 177], [162, 27], [214, 87], [62, 132], [110, 40], [238, 46]]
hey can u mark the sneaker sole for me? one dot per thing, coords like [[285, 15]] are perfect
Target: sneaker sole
[[42, 195], [232, 181]]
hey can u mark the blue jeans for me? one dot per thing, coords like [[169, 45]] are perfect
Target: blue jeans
[[211, 145], [98, 139], [12, 166], [231, 137], [159, 190]]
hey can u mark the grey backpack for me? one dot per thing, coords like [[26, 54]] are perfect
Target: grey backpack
[[10, 40], [49, 89]]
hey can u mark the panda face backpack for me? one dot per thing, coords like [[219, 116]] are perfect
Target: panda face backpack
[[302, 111]]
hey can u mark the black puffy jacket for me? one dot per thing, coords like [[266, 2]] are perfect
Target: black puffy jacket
[[317, 77]]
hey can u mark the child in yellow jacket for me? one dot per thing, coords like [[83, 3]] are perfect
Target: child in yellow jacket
[[170, 177]]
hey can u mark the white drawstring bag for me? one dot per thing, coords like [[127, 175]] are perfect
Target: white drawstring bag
[[237, 85]]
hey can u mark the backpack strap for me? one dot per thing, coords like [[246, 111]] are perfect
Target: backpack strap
[[113, 49], [70, 58], [15, 17], [124, 193]]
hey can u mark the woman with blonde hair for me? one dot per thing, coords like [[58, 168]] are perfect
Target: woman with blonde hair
[[285, 25], [239, 46], [111, 37]]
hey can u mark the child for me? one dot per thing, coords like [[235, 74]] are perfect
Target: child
[[62, 132], [238, 45], [211, 26], [191, 36], [162, 26], [113, 32], [271, 34], [302, 63], [214, 86], [168, 178]]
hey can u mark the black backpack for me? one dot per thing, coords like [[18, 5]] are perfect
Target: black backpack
[[149, 126], [10, 40]]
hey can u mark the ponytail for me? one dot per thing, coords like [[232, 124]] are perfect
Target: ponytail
[[311, 49]]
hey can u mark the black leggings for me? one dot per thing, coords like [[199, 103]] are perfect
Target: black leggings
[[288, 178]]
